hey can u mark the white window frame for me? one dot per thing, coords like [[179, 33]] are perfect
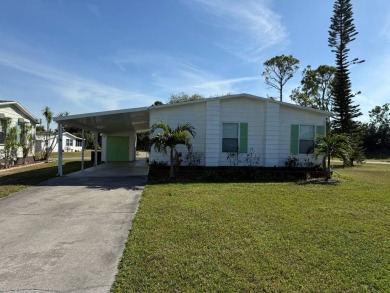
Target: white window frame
[[224, 149]]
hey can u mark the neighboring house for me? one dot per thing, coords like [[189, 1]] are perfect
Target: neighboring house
[[242, 123], [17, 116], [71, 143]]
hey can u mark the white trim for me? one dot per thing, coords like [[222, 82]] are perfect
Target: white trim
[[97, 114], [71, 135], [21, 108], [243, 95], [238, 135]]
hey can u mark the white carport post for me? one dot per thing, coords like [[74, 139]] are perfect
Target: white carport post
[[59, 149], [96, 147], [82, 149]]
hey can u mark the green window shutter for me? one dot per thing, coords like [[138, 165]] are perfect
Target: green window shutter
[[243, 137], [294, 146], [320, 130]]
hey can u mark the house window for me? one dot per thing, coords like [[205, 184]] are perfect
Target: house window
[[230, 137], [69, 142], [306, 138], [3, 130], [78, 143]]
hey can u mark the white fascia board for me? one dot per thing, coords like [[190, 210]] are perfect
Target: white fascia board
[[243, 95], [97, 114], [21, 108], [71, 135]]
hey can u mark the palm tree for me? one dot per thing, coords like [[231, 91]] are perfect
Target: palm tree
[[332, 145], [170, 138], [49, 117]]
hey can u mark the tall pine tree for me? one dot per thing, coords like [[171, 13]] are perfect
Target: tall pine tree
[[342, 32]]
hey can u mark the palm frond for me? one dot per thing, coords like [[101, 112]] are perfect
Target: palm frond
[[186, 128], [160, 125]]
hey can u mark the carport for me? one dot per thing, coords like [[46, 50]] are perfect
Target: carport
[[118, 127]]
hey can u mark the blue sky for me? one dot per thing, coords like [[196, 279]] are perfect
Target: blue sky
[[86, 56]]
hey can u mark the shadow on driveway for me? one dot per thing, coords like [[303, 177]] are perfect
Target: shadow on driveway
[[68, 234], [102, 183]]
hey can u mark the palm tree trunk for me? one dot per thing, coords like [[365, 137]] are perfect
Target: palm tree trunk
[[328, 169]]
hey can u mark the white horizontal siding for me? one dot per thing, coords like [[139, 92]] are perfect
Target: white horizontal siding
[[213, 116], [195, 114], [290, 116], [13, 112], [269, 126], [243, 110], [272, 134]]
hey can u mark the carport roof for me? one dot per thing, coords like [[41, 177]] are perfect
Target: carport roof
[[116, 121]]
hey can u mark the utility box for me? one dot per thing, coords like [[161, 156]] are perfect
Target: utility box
[[99, 156]]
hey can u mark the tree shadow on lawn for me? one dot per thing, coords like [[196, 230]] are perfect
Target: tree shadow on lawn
[[319, 181], [37, 175]]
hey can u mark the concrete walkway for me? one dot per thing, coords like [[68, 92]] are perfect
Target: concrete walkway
[[68, 234]]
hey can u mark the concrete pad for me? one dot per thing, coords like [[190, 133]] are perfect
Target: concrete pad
[[115, 169], [68, 234]]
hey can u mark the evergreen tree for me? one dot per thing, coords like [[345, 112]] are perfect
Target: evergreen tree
[[342, 32]]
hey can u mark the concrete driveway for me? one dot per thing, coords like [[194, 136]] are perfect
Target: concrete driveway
[[68, 234]]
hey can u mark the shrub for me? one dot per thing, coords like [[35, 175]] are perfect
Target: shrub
[[194, 158]]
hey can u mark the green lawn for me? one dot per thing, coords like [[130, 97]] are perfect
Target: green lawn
[[72, 155], [384, 159], [15, 179], [262, 237], [378, 157]]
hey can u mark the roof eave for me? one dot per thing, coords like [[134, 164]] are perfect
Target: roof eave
[[239, 96], [24, 110], [97, 114]]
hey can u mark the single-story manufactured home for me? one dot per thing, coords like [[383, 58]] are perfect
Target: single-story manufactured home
[[71, 143], [242, 123], [12, 114]]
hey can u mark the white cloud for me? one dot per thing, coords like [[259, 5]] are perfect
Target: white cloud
[[173, 74], [226, 82], [94, 9], [253, 26], [82, 92]]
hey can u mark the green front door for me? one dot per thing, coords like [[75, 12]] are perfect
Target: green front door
[[117, 148]]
